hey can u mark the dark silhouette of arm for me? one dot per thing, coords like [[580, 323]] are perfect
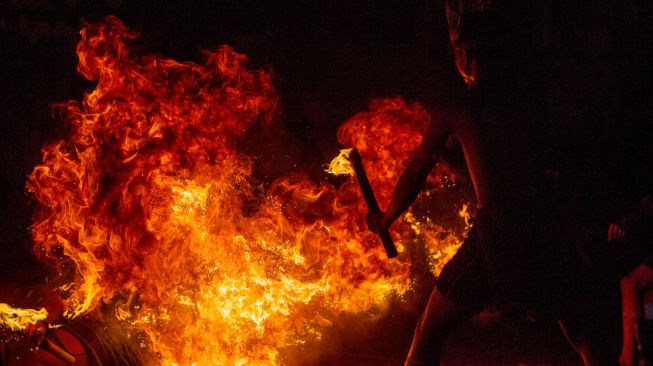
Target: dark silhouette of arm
[[413, 178]]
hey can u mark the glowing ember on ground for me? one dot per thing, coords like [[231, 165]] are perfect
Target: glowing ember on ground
[[147, 198]]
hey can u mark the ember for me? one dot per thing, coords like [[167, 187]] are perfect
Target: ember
[[148, 199]]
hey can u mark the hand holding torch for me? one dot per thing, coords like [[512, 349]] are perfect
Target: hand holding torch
[[370, 199]]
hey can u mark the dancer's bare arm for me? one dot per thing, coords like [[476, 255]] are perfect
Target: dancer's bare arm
[[413, 178]]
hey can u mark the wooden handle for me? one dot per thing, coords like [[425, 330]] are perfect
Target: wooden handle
[[370, 200]]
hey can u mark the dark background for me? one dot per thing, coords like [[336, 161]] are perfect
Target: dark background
[[330, 59]]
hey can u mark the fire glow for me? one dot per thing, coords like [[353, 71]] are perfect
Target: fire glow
[[148, 199]]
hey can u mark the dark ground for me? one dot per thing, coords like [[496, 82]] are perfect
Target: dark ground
[[331, 58], [484, 341]]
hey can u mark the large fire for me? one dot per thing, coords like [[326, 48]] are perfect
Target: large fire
[[150, 210]]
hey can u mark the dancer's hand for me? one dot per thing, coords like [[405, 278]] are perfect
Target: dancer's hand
[[615, 232], [35, 332], [376, 221]]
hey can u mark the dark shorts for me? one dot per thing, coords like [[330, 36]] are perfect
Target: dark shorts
[[464, 279], [511, 262], [497, 272]]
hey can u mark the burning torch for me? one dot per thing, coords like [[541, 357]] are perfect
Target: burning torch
[[352, 157], [32, 324]]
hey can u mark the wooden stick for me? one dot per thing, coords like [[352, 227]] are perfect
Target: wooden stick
[[370, 199]]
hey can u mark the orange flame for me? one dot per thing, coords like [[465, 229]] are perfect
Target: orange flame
[[150, 203]]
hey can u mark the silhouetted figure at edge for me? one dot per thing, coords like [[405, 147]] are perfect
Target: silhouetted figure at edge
[[510, 256]]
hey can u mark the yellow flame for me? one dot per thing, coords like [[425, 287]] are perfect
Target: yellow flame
[[18, 319], [441, 243], [341, 165], [465, 215]]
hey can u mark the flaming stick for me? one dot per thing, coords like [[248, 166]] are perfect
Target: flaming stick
[[340, 166], [370, 199], [18, 320]]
